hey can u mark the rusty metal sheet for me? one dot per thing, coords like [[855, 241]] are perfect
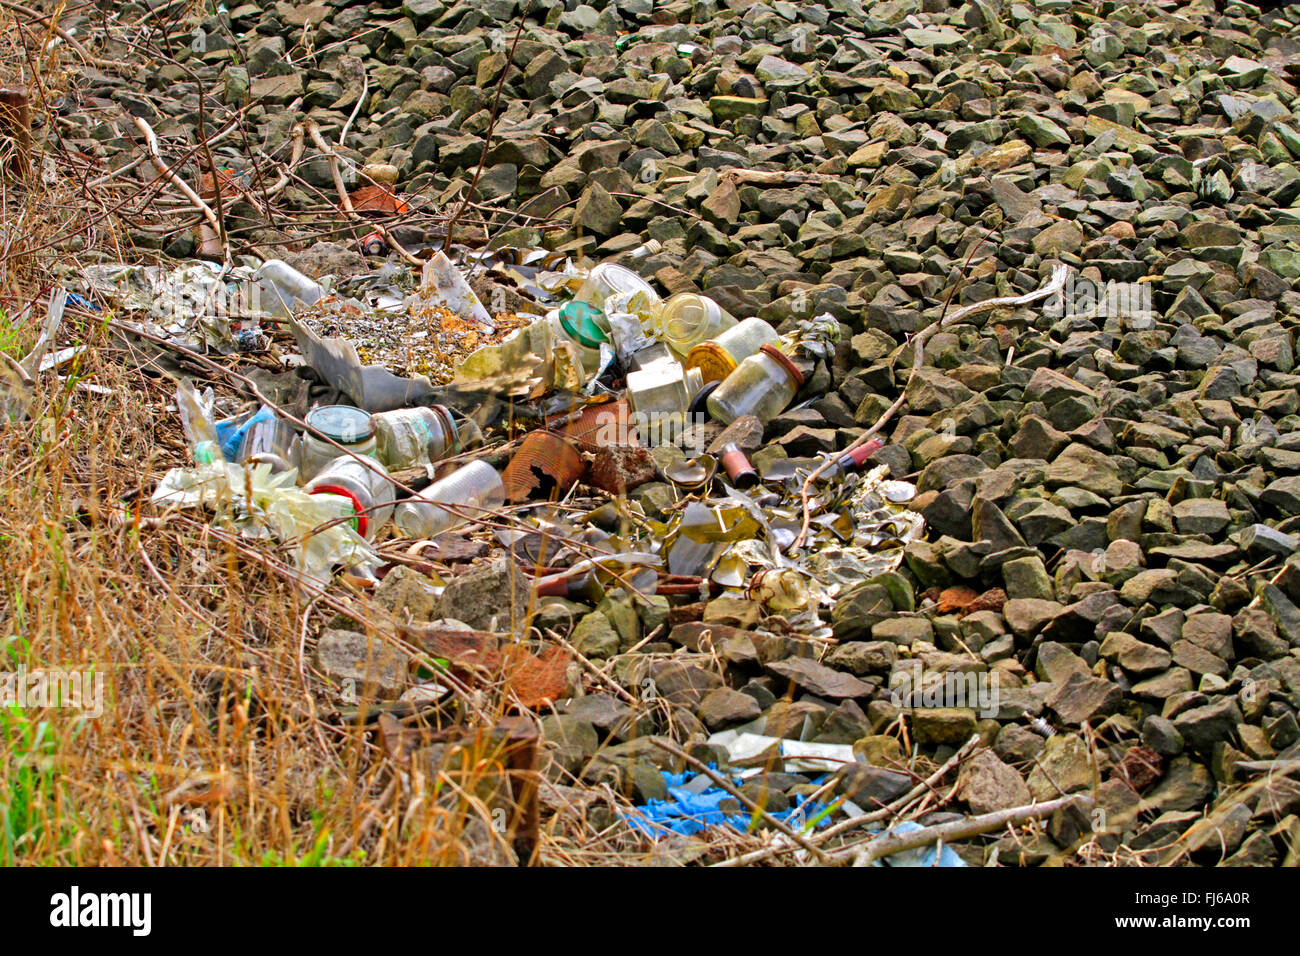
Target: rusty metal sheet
[[546, 465]]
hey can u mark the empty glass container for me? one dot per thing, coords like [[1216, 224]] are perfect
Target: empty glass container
[[348, 426], [687, 319], [409, 437], [762, 385], [718, 357], [625, 287], [270, 441], [660, 394]]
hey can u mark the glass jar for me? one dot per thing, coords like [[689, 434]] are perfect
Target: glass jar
[[650, 355], [409, 437], [348, 426], [687, 319], [365, 484], [471, 489], [628, 290], [271, 441], [718, 357], [659, 395], [762, 385]]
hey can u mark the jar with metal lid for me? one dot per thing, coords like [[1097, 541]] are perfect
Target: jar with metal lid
[[762, 385], [364, 483], [409, 437], [348, 426], [718, 357], [461, 496], [687, 319]]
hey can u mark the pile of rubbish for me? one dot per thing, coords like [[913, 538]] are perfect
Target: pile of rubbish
[[612, 446], [803, 491], [611, 389]]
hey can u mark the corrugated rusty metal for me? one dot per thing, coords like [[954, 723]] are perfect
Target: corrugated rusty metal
[[599, 426], [545, 464]]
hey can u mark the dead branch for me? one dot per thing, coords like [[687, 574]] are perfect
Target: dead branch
[[151, 144], [892, 843], [346, 201]]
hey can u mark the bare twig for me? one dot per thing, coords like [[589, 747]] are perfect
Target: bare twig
[[891, 843], [151, 144], [345, 200]]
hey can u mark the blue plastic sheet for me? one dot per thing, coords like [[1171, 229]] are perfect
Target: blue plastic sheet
[[922, 856], [688, 813]]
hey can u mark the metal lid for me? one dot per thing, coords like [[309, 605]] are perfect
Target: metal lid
[[784, 361], [344, 424], [714, 362]]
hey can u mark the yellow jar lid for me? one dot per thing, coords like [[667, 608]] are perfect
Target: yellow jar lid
[[714, 362]]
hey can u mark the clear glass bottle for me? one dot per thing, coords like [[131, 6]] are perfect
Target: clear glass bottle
[[366, 484], [470, 490], [762, 385], [718, 357], [271, 441], [409, 437], [687, 319], [348, 426]]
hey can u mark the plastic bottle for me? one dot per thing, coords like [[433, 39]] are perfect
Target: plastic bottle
[[196, 419], [281, 284], [762, 385], [718, 357], [687, 319], [365, 484], [348, 426], [471, 489], [408, 437]]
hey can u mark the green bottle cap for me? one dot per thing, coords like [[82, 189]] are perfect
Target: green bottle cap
[[582, 321]]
